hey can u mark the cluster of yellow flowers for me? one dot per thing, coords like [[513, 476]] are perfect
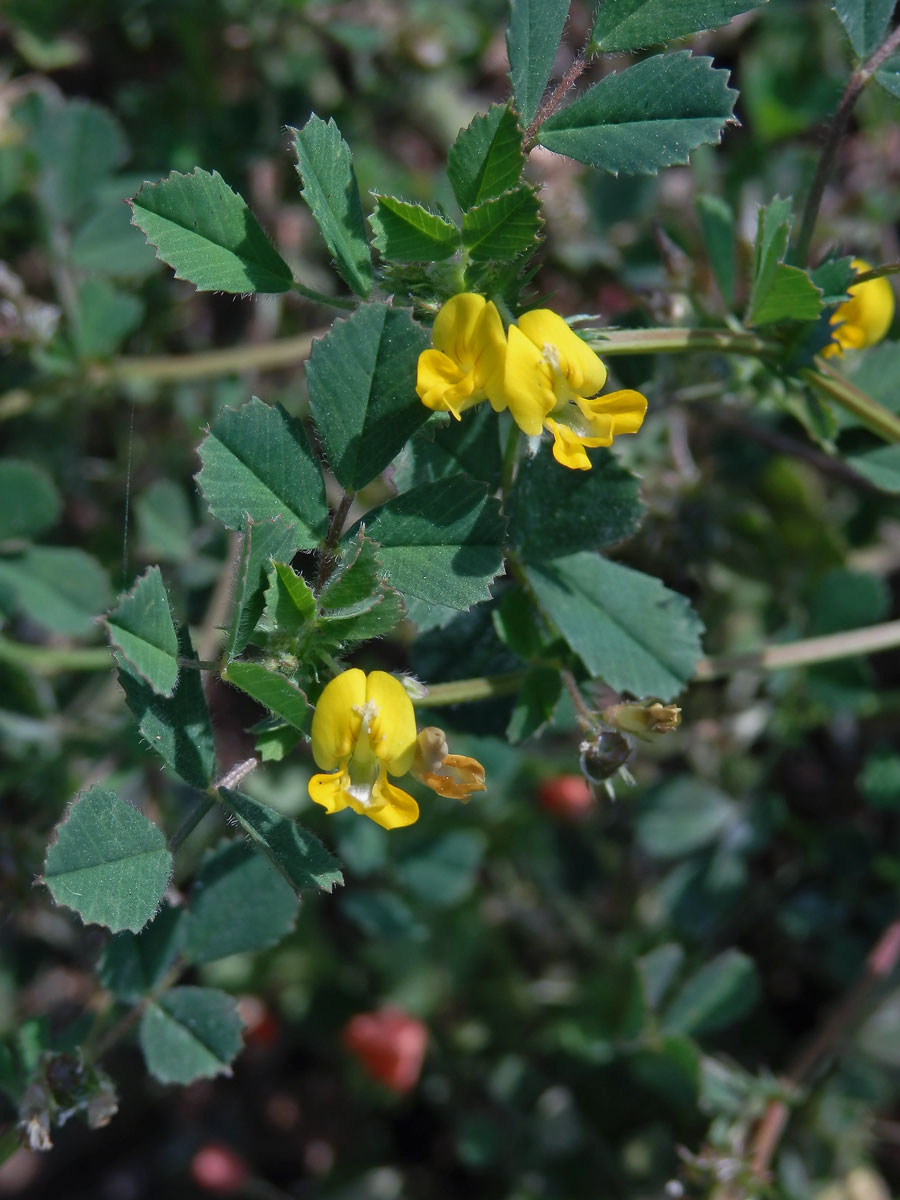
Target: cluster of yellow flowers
[[363, 730], [540, 370]]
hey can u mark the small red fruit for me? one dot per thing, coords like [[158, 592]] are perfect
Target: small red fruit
[[217, 1168], [389, 1044], [566, 796]]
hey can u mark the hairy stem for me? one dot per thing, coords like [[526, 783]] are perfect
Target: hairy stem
[[549, 106], [881, 962], [335, 529], [836, 131]]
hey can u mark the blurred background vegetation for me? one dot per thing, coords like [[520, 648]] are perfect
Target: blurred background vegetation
[[610, 989]]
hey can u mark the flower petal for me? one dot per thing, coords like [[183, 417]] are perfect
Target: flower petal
[[625, 409], [336, 722], [490, 363], [392, 808], [443, 386], [454, 326], [458, 777], [568, 447], [328, 790], [393, 727], [583, 369], [527, 383]]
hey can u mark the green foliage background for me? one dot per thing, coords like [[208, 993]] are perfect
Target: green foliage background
[[609, 1001]]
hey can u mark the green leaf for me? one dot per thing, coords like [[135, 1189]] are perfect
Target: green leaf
[[648, 116], [627, 627], [553, 512], [717, 227], [58, 587], [444, 871], [356, 603], [791, 296], [881, 467], [534, 703], [362, 390], [299, 856], [441, 542], [191, 1033], [445, 448], [382, 914], [239, 903], [109, 862], [133, 964], [716, 996], [876, 371], [165, 522], [866, 22], [486, 159], [79, 145], [289, 602], [532, 41], [141, 627], [330, 189], [408, 232], [834, 277], [257, 463], [889, 76], [773, 228], [104, 318], [681, 815], [107, 242], [504, 226], [262, 542], [355, 579], [632, 24], [206, 232], [29, 501], [177, 728], [271, 690], [657, 970]]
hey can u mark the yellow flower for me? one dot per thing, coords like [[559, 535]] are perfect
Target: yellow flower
[[466, 364], [551, 380], [363, 730], [865, 318]]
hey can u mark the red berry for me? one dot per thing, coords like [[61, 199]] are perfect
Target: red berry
[[566, 796], [389, 1044], [217, 1168]]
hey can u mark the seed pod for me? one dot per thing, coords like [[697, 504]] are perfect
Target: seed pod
[[602, 757]]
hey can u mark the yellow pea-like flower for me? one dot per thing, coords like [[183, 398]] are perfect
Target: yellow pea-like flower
[[363, 730], [865, 318], [551, 379], [465, 365]]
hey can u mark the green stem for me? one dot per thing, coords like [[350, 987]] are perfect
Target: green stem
[[283, 352], [204, 805], [836, 131], [876, 273], [835, 387], [52, 660], [610, 343], [510, 458], [869, 640], [463, 691], [323, 297]]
